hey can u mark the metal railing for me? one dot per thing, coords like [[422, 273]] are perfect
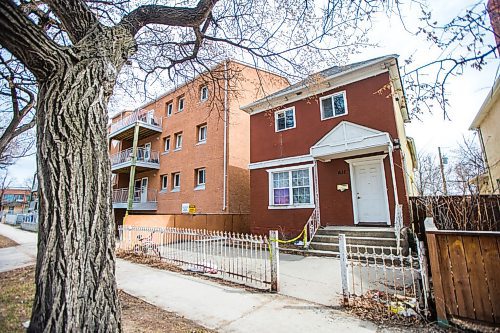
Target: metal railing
[[312, 225], [384, 279], [143, 155], [239, 258], [121, 195], [141, 116]]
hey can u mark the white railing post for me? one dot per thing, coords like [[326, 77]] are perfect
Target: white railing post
[[275, 260], [344, 268]]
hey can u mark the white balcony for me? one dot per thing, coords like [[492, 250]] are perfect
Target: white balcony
[[124, 128], [146, 159], [144, 199]]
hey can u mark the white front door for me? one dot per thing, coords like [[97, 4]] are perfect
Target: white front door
[[144, 189], [370, 193]]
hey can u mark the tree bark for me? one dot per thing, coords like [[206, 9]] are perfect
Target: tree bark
[[75, 275]]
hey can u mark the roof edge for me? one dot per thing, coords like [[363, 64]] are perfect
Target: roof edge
[[485, 108], [247, 108]]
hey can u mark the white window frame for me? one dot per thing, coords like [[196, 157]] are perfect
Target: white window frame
[[201, 186], [284, 112], [176, 188], [170, 108], [270, 173], [177, 141], [179, 109], [331, 96], [200, 140], [164, 186], [167, 139], [205, 87]]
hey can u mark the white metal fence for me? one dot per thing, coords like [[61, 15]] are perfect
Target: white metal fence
[[240, 258], [384, 275]]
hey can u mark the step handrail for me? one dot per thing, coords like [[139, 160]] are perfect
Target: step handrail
[[312, 225]]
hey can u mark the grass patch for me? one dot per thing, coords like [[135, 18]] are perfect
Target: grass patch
[[6, 242], [17, 290]]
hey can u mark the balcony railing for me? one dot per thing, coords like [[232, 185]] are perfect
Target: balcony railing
[[142, 116], [144, 156], [142, 200]]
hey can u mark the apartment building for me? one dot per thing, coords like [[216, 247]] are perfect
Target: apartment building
[[189, 148], [14, 201]]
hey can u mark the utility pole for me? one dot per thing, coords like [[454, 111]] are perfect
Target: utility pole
[[445, 190]]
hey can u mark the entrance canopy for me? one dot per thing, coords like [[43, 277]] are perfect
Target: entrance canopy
[[349, 139]]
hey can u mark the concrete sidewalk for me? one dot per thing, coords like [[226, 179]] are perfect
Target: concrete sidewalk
[[18, 256], [215, 306]]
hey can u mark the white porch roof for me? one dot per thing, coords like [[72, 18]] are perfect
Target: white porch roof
[[349, 139]]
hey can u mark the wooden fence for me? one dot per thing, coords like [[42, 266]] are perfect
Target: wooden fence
[[465, 267]]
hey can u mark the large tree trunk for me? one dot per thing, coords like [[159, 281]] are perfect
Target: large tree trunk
[[75, 275]]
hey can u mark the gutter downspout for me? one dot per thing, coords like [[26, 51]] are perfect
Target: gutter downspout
[[224, 186], [483, 148], [393, 175]]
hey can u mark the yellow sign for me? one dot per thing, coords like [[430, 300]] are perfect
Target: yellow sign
[[192, 209]]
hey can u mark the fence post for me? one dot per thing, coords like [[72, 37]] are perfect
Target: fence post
[[275, 260], [344, 268]]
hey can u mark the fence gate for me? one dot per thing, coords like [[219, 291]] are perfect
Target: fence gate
[[385, 278]]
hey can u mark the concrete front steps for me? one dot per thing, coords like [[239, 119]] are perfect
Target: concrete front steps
[[326, 240]]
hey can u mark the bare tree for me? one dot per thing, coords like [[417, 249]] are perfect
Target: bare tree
[[77, 51], [463, 42], [17, 102], [428, 176], [469, 168]]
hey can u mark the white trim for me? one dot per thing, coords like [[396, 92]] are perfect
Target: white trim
[[165, 139], [199, 133], [183, 99], [331, 96], [304, 206], [198, 176], [176, 188], [270, 172], [295, 167], [366, 160], [362, 161], [280, 162], [171, 109], [201, 93], [176, 137], [164, 188], [284, 111]]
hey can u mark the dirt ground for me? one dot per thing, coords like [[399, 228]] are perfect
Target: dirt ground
[[6, 242], [17, 291]]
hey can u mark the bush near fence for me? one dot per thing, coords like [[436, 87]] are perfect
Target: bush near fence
[[465, 267], [468, 212]]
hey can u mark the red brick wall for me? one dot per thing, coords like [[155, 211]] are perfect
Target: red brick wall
[[365, 107], [494, 12]]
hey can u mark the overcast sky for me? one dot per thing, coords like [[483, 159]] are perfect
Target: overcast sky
[[466, 93]]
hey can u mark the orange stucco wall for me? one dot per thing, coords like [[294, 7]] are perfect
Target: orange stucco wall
[[239, 223]]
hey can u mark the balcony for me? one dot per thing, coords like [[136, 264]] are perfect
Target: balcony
[[124, 128], [144, 199], [146, 160]]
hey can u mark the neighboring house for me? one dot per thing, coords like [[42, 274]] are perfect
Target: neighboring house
[[487, 124], [14, 201], [189, 147], [342, 129]]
